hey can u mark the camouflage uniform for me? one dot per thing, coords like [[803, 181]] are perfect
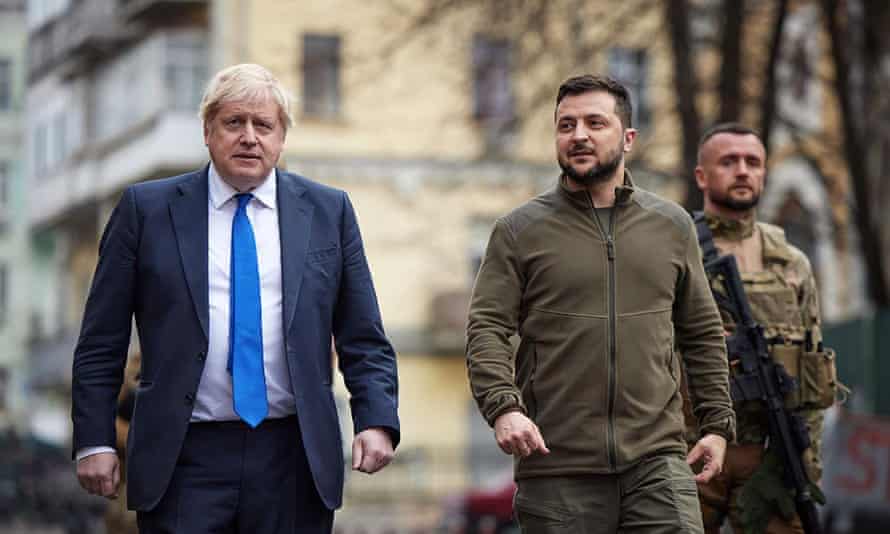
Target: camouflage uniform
[[782, 293]]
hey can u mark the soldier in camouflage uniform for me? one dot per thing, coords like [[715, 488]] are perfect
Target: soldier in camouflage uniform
[[782, 293]]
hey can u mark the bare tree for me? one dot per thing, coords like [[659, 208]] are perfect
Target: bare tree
[[686, 89], [768, 98], [731, 65], [859, 50]]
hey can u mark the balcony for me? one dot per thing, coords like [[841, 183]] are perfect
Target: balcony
[[133, 119], [90, 31], [168, 143], [163, 10], [80, 36]]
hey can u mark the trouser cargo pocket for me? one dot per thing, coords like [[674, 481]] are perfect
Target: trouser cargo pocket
[[543, 517]]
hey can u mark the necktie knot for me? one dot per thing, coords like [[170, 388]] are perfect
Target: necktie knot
[[243, 199]]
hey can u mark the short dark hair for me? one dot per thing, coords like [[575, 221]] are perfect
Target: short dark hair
[[587, 83], [736, 128]]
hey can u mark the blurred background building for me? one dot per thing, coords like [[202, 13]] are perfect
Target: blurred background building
[[112, 92], [13, 214], [436, 117]]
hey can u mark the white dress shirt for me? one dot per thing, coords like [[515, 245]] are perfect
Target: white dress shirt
[[213, 401]]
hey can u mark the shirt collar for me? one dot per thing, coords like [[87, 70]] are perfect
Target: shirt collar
[[221, 192], [730, 229], [581, 198]]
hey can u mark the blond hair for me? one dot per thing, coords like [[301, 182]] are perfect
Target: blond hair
[[245, 82]]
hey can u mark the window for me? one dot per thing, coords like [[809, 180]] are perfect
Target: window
[[165, 72], [40, 12], [4, 293], [4, 387], [60, 139], [127, 89], [4, 186], [321, 75], [629, 66], [40, 149], [492, 88], [185, 70], [480, 231], [5, 84]]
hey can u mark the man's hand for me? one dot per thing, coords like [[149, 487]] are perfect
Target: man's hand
[[711, 449], [371, 450], [100, 474], [516, 434]]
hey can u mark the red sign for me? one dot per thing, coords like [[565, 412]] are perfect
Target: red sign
[[856, 457]]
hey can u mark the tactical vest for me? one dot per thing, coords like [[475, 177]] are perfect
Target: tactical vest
[[793, 343]]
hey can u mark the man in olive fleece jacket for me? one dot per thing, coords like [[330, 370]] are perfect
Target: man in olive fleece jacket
[[600, 280]]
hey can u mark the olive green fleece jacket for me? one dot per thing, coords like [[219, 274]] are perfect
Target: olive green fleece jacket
[[599, 307]]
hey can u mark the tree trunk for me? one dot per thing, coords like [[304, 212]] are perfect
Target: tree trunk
[[685, 89], [855, 153], [731, 68], [768, 95]]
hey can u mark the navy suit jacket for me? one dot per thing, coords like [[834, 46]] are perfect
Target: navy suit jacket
[[153, 265]]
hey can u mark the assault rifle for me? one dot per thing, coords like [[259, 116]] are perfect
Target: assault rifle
[[761, 379]]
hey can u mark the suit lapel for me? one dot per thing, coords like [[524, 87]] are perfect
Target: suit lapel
[[294, 225], [189, 214]]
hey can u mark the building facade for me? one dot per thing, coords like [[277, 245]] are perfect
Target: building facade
[[113, 89], [13, 211]]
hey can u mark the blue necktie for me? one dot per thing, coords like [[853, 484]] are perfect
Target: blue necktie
[[246, 323]]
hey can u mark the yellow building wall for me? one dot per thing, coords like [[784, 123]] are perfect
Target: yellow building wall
[[418, 243], [430, 463], [402, 104]]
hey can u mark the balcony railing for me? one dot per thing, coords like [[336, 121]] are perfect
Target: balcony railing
[[157, 10], [136, 121]]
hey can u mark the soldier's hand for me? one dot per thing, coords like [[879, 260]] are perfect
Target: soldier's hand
[[516, 434], [710, 449], [100, 474]]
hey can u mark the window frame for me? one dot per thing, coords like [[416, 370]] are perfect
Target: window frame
[[321, 75]]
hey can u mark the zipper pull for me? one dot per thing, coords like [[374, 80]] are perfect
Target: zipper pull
[[610, 248]]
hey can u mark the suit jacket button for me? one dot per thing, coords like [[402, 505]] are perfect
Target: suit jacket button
[[202, 356], [189, 399]]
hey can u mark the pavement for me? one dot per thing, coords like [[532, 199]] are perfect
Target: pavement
[[18, 526]]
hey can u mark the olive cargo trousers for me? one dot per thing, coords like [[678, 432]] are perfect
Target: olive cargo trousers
[[656, 496]]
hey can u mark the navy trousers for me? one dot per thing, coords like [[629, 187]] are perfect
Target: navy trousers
[[231, 479]]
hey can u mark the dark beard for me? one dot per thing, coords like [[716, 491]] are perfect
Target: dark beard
[[726, 201], [598, 173]]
